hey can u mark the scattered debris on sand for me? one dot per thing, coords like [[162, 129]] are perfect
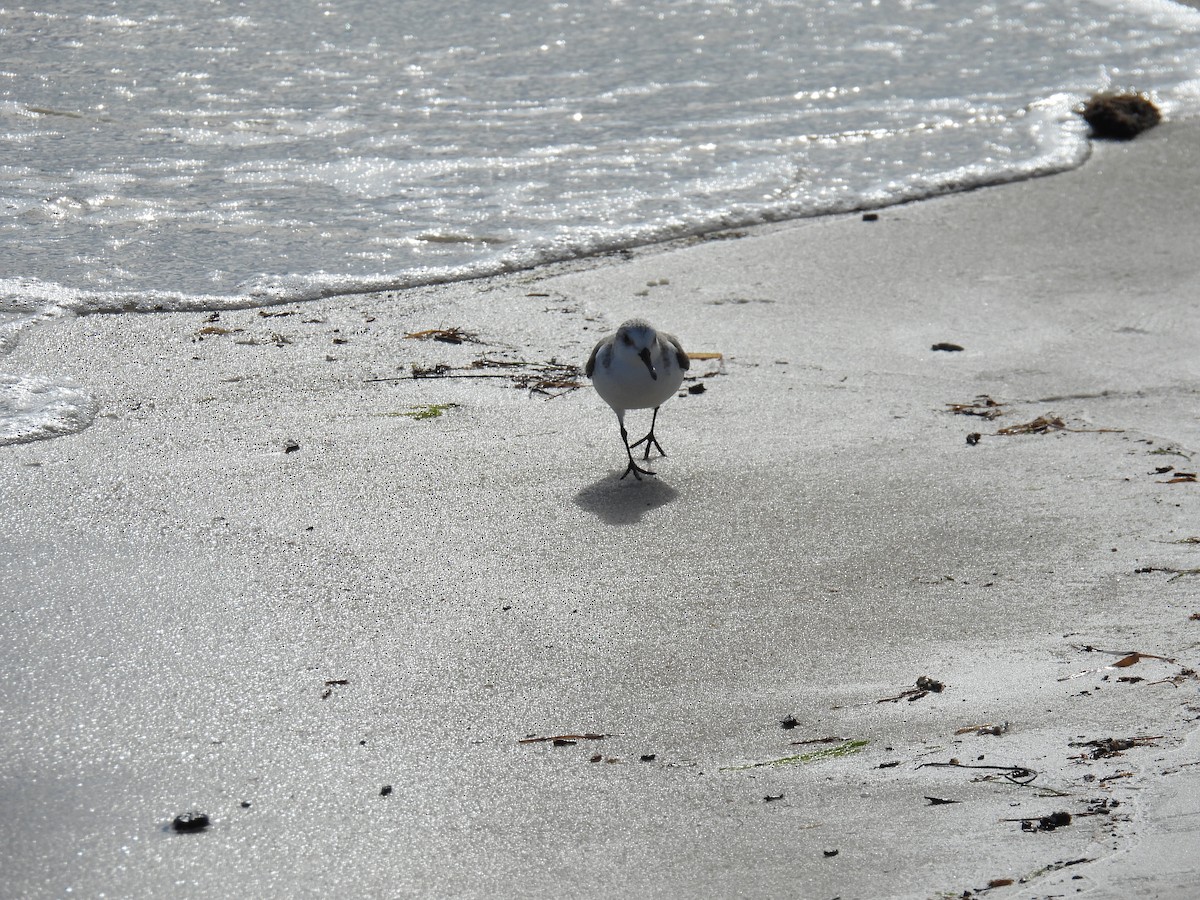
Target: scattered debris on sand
[[982, 406], [453, 335], [190, 822], [1040, 425], [1106, 748], [1054, 820], [331, 684], [552, 378], [1129, 658], [562, 740], [822, 740], [426, 411], [1049, 422], [1020, 775], [845, 749], [925, 686], [1175, 574], [987, 729]]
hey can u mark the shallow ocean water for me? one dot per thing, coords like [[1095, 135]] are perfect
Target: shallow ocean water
[[151, 156], [219, 153]]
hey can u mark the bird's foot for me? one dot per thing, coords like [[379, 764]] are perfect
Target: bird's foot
[[637, 470], [650, 441]]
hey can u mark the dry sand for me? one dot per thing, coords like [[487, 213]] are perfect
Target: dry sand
[[258, 587]]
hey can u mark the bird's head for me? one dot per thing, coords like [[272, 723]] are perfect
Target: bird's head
[[637, 337]]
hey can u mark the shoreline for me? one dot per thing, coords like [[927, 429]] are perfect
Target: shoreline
[[269, 581], [56, 299], [59, 298]]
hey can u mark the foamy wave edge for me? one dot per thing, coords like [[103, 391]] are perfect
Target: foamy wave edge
[[34, 408], [1060, 133]]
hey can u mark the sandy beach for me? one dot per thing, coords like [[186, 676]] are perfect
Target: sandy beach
[[407, 636]]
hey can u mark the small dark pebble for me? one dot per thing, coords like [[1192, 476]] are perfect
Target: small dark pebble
[[925, 683], [1120, 116], [385, 791], [648, 757], [830, 853], [949, 348], [597, 758], [889, 765], [245, 804], [770, 798], [1047, 823], [291, 447], [974, 438], [789, 723], [190, 821], [870, 217], [697, 388]]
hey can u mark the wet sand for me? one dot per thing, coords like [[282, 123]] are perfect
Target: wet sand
[[345, 612]]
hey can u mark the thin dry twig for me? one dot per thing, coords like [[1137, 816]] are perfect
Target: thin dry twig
[[1021, 775], [536, 739], [453, 335], [1176, 574], [1127, 659], [982, 406], [1048, 423], [539, 377]]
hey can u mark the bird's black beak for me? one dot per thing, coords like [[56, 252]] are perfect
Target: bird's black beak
[[645, 355]]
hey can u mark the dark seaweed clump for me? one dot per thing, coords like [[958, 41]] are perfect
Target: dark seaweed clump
[[1120, 116]]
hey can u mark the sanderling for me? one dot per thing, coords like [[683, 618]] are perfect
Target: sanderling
[[637, 368]]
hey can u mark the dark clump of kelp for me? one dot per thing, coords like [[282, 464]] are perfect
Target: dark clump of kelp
[[1119, 115]]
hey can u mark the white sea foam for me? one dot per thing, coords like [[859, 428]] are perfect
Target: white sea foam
[[32, 408], [178, 157]]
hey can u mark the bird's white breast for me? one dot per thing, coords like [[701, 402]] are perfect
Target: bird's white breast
[[624, 382]]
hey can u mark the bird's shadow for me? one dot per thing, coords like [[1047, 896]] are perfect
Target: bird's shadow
[[623, 502]]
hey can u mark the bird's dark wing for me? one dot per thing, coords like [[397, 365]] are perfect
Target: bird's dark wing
[[591, 363], [680, 356]]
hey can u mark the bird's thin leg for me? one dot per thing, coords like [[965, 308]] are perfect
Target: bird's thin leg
[[633, 467], [650, 440]]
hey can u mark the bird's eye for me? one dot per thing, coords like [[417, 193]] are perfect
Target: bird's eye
[[627, 340]]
